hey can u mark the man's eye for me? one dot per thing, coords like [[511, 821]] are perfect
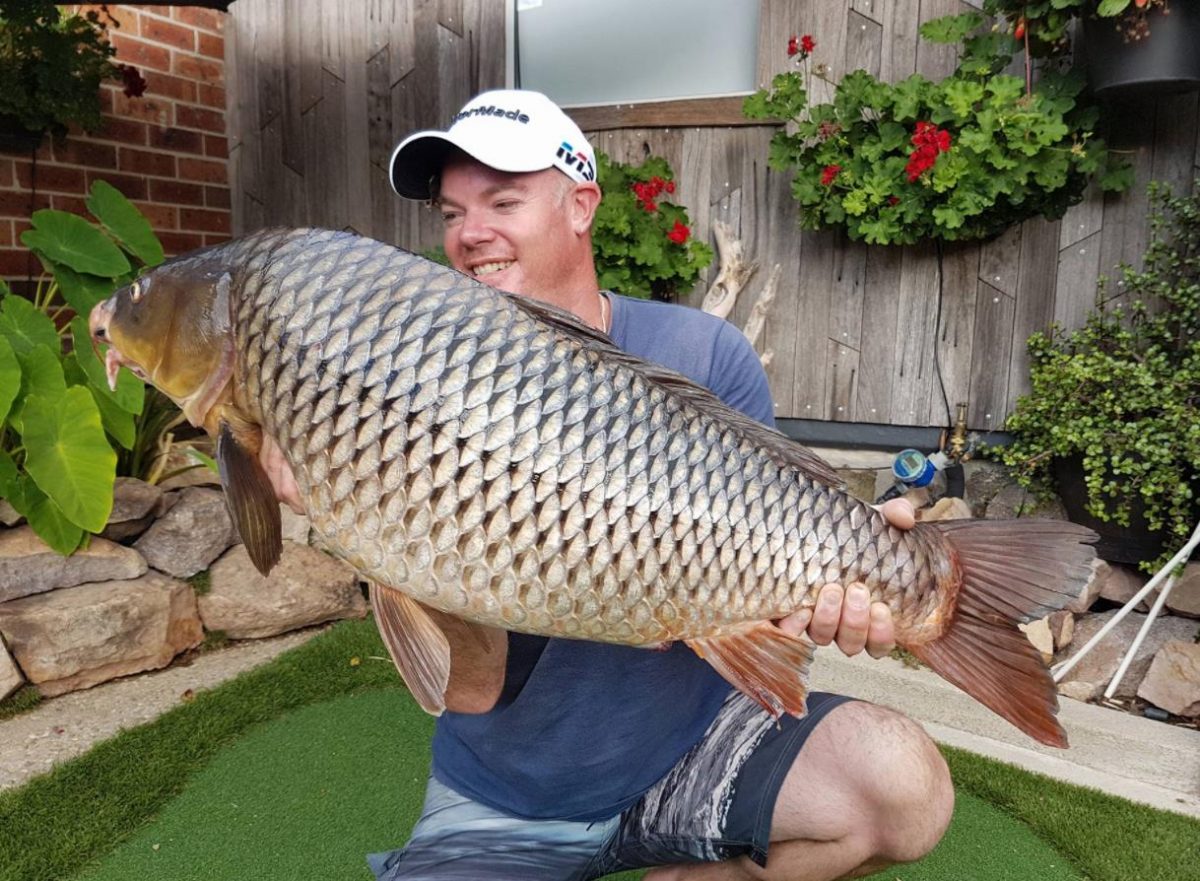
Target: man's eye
[[449, 217], [507, 204]]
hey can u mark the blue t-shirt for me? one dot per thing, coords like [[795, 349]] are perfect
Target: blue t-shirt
[[582, 729]]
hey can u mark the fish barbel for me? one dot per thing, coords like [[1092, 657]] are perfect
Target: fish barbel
[[491, 457]]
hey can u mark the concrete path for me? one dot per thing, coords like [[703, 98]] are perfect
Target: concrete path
[[1116, 752]]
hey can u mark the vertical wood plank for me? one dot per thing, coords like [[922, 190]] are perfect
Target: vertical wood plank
[[864, 44], [877, 359], [956, 335], [360, 180], [840, 380], [990, 353], [1175, 141], [901, 19], [1125, 235], [872, 9], [1000, 261], [1035, 297], [914, 381], [1078, 273]]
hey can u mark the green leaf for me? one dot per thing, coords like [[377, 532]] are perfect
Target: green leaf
[[131, 391], [1117, 178], [961, 95], [951, 28], [81, 290], [69, 239], [47, 519], [26, 326], [128, 225], [1109, 8], [10, 378], [69, 457]]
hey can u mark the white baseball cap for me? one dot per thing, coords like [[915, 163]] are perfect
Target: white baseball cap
[[507, 129]]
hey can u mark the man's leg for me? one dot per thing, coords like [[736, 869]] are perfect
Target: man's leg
[[868, 789]]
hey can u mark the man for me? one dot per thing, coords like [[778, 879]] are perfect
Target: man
[[596, 758]]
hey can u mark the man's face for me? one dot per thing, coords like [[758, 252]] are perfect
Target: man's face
[[515, 232]]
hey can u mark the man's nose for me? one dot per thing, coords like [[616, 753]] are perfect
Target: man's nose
[[475, 229]]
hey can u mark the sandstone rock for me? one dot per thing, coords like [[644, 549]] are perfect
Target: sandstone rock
[[1173, 681], [1123, 583], [1080, 691], [983, 480], [947, 508], [1039, 634], [9, 516], [295, 526], [1014, 501], [1184, 598], [1062, 628], [191, 535], [134, 506], [1091, 590], [78, 637], [860, 483], [10, 675], [306, 587], [1100, 664], [28, 565]]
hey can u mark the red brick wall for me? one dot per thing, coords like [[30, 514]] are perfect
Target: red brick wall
[[167, 150]]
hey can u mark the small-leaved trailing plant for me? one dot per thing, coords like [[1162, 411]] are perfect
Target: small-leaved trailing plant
[[61, 427], [1046, 24], [52, 63], [642, 240], [1123, 391], [959, 159]]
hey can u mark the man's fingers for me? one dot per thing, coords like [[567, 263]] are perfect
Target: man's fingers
[[899, 513], [856, 620], [881, 637], [827, 615]]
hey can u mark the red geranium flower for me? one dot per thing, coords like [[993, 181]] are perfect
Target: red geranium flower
[[929, 141], [679, 233], [828, 173], [793, 45], [807, 44]]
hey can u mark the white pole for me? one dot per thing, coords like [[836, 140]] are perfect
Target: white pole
[[1186, 551], [1137, 642]]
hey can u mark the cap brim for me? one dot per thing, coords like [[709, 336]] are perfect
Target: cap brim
[[417, 161]]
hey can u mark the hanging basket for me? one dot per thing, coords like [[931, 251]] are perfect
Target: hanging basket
[[1166, 61], [15, 138]]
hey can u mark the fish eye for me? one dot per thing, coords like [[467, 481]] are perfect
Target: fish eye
[[135, 292]]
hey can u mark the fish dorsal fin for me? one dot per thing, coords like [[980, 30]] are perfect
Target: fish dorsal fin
[[417, 645], [783, 450], [249, 494]]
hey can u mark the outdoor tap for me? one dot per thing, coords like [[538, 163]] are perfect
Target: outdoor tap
[[958, 437]]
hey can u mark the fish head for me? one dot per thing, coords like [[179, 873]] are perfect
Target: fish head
[[172, 328]]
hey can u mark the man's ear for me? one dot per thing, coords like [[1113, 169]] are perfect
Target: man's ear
[[584, 200]]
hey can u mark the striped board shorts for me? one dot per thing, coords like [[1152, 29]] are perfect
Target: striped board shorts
[[715, 804]]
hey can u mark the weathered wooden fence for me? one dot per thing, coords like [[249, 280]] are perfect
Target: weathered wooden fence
[[322, 91]]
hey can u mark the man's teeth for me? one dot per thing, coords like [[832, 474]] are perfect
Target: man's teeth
[[485, 268]]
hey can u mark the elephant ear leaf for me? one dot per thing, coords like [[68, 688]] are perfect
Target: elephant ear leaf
[[126, 224], [69, 239], [10, 377]]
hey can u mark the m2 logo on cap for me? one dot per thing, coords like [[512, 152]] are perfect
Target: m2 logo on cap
[[576, 159]]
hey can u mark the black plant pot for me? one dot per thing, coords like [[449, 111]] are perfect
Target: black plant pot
[[1121, 544], [1164, 62]]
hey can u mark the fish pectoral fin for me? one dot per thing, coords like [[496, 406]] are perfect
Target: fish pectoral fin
[[765, 663], [418, 647], [249, 494]]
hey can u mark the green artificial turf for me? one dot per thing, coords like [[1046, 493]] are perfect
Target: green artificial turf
[[291, 800], [80, 815]]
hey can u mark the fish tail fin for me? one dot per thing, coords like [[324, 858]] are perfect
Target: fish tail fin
[[766, 664], [1011, 572]]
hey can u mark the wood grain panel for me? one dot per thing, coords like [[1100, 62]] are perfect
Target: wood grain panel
[[1077, 275], [1035, 297], [864, 44], [912, 387], [841, 377], [990, 356], [726, 110], [955, 336], [879, 335]]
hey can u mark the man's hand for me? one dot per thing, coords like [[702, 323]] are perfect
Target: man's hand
[[847, 615], [279, 472]]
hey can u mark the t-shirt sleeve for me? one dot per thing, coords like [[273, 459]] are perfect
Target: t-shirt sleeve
[[737, 376]]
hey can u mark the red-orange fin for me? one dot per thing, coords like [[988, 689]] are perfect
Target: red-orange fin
[[763, 662], [418, 647], [1012, 571]]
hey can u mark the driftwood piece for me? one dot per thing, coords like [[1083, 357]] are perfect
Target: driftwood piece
[[758, 314], [733, 273]]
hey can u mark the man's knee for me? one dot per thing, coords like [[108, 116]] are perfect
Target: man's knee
[[905, 784]]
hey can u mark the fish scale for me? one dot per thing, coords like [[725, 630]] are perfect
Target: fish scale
[[494, 459]]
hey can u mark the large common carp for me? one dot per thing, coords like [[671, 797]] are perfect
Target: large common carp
[[491, 457]]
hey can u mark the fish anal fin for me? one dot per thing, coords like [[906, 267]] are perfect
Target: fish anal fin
[[765, 663], [418, 647], [249, 494]]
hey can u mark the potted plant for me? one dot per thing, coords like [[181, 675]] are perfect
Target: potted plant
[[958, 159], [1120, 397], [1120, 58], [51, 68]]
